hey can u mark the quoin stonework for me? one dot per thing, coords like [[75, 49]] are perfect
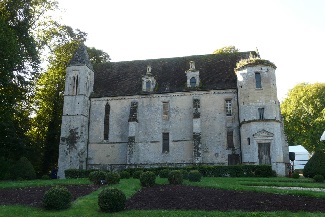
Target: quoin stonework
[[201, 109]]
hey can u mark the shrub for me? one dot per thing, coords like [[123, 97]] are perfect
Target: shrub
[[5, 168], [111, 200], [164, 173], [194, 176], [264, 171], [295, 175], [175, 177], [185, 174], [45, 177], [125, 175], [96, 177], [318, 178], [137, 174], [148, 179], [77, 173], [23, 169], [57, 198], [112, 178], [315, 165]]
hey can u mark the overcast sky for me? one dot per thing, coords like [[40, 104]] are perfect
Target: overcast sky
[[290, 33]]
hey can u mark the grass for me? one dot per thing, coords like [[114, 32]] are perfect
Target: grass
[[87, 206]]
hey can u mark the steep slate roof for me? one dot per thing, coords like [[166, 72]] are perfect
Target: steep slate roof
[[81, 57], [125, 78]]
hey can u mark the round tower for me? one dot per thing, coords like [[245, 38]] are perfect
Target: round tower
[[261, 127]]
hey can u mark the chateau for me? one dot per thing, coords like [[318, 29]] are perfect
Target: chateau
[[180, 111]]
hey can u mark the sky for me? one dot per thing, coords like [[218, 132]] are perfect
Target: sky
[[289, 33]]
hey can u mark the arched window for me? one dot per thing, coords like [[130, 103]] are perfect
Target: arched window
[[193, 82], [73, 86], [148, 85], [106, 121]]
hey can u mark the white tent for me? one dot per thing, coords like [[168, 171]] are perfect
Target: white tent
[[302, 156]]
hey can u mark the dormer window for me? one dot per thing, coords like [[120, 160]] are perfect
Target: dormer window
[[193, 76], [148, 81]]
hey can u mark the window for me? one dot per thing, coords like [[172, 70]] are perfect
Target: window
[[106, 121], [258, 80], [148, 86], [230, 140], [193, 82], [248, 141], [165, 110], [228, 108], [77, 80], [165, 143], [261, 113]]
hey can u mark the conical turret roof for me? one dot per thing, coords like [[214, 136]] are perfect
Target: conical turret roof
[[81, 57]]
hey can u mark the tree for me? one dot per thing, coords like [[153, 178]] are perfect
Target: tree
[[304, 115], [19, 61], [227, 49]]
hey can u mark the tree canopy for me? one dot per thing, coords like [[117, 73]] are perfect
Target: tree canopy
[[304, 115], [227, 49]]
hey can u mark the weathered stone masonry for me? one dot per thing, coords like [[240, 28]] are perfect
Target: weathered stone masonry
[[182, 110]]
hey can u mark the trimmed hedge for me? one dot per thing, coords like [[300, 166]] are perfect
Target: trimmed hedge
[[206, 171], [112, 178], [76, 173], [57, 198], [111, 200], [194, 176], [318, 178], [175, 177], [125, 175], [315, 165], [148, 179], [97, 176]]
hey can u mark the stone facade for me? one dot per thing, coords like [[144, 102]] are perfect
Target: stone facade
[[176, 115]]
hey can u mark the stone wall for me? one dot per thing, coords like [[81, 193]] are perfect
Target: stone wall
[[151, 124]]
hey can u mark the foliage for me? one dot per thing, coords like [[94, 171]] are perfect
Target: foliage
[[164, 173], [111, 200], [76, 173], [185, 174], [5, 168], [148, 179], [304, 115], [23, 169], [194, 176], [112, 178], [125, 175], [227, 49], [19, 65], [253, 61], [45, 177], [315, 165], [318, 178], [295, 175], [137, 174], [96, 177], [175, 177], [57, 198]]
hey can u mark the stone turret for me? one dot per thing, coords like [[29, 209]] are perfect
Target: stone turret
[[79, 84], [262, 138]]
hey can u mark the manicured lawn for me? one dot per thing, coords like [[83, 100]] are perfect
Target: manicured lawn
[[87, 206]]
